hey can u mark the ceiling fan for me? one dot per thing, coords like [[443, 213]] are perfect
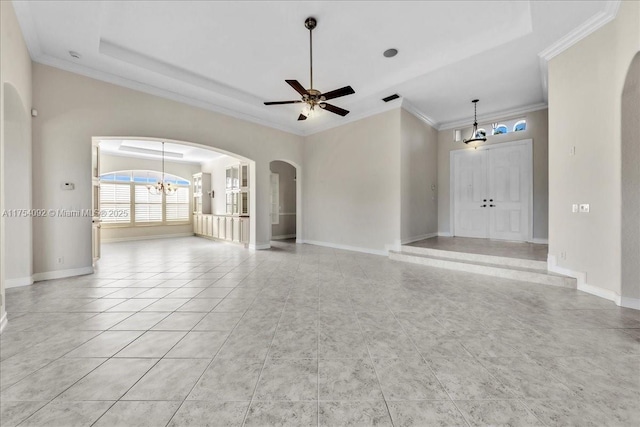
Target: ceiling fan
[[312, 97]]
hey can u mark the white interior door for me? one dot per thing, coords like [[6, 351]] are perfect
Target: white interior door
[[509, 193], [95, 201], [492, 191], [471, 214]]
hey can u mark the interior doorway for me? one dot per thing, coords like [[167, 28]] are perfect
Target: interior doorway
[[492, 191], [284, 200]]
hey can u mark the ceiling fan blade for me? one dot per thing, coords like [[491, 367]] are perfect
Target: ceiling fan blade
[[334, 109], [302, 117], [297, 86], [343, 91], [281, 102]]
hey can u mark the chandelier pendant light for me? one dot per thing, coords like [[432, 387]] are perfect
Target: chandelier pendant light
[[475, 135], [162, 186]]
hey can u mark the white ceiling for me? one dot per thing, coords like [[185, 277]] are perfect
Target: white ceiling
[[150, 149], [233, 56]]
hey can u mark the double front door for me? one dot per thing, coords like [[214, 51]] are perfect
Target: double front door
[[492, 191]]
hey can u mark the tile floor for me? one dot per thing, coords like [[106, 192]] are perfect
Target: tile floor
[[189, 332], [501, 248]]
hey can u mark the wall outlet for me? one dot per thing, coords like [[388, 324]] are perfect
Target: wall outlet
[[574, 208], [572, 151], [61, 260], [563, 255], [584, 207]]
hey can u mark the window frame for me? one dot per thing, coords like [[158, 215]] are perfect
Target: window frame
[[132, 201]]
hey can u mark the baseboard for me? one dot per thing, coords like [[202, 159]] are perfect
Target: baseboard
[[540, 241], [3, 322], [61, 274], [16, 283], [583, 286], [444, 234], [417, 238], [260, 246], [283, 237], [157, 236], [347, 247]]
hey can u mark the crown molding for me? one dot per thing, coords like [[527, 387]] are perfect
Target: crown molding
[[585, 29], [495, 116], [419, 114]]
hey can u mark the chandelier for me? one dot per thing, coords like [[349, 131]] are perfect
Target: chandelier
[[161, 186], [475, 135]]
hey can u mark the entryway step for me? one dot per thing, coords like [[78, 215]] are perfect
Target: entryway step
[[494, 268]]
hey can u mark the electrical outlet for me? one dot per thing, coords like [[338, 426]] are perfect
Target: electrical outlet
[[572, 151], [574, 208], [584, 208], [563, 255], [61, 260]]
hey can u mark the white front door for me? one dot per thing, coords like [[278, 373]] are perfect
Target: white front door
[[491, 191]]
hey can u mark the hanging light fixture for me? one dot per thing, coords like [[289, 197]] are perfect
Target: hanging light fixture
[[475, 135], [161, 186]]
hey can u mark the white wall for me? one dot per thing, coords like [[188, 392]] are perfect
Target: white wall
[[15, 77], [419, 172], [287, 202], [351, 188], [538, 131], [73, 109], [585, 87], [112, 163]]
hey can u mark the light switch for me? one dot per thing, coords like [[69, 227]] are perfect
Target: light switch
[[572, 151], [584, 208], [574, 208]]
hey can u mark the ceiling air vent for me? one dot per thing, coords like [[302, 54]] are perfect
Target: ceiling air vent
[[391, 97]]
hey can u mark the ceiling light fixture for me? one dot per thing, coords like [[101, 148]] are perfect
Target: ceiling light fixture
[[161, 186], [390, 53], [475, 135]]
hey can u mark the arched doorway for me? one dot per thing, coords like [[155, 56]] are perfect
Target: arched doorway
[[630, 154], [285, 201]]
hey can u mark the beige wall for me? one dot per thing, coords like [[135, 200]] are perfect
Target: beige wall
[[73, 109], [351, 185], [111, 163], [537, 130], [287, 187], [419, 175], [15, 77], [585, 87]]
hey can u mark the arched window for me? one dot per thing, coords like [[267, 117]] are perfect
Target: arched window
[[499, 129], [520, 125], [125, 199]]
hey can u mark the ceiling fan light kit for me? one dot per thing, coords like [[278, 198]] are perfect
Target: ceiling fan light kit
[[311, 97]]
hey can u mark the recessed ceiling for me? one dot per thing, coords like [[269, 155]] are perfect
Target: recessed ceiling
[[148, 149], [232, 56]]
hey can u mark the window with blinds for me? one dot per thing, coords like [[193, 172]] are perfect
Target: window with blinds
[[125, 199], [177, 205], [115, 203]]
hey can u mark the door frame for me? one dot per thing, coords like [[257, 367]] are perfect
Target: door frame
[[525, 142]]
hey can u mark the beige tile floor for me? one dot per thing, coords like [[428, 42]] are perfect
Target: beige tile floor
[[522, 250], [189, 332]]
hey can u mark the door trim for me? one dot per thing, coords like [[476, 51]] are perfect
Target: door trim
[[526, 142]]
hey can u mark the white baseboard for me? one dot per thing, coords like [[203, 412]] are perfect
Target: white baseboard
[[540, 241], [3, 322], [347, 247], [61, 274], [417, 238], [283, 237], [444, 234], [156, 236], [20, 281], [583, 286], [260, 246]]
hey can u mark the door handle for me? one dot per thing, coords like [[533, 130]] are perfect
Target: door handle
[[491, 200], [492, 206], [483, 206], [484, 200]]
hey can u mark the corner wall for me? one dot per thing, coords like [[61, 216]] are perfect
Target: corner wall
[[585, 88], [15, 73], [537, 130], [419, 176]]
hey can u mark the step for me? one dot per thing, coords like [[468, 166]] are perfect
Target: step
[[480, 258], [525, 274]]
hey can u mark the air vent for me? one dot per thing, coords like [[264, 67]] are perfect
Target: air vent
[[391, 97]]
